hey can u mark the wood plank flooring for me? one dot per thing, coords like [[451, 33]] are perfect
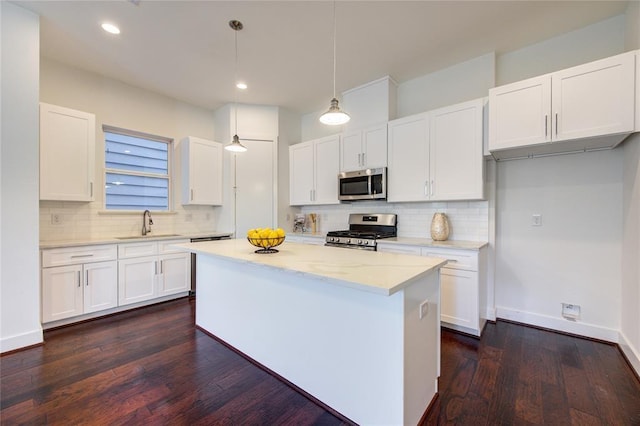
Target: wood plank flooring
[[152, 366]]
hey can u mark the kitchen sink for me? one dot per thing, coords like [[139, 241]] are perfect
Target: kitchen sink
[[137, 237]]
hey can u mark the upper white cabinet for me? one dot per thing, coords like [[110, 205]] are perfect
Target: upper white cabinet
[[364, 149], [437, 155], [572, 106], [201, 162], [313, 171], [67, 154], [456, 156], [408, 171]]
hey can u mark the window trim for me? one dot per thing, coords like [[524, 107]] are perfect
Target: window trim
[[137, 134]]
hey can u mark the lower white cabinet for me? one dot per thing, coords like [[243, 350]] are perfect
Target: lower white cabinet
[[77, 288], [306, 239], [150, 270], [463, 295], [77, 281]]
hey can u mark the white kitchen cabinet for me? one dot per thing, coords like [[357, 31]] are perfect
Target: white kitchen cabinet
[[437, 155], [149, 270], [73, 283], [313, 171], [201, 162], [364, 148], [462, 281], [67, 154], [408, 170], [455, 152], [579, 103], [317, 240]]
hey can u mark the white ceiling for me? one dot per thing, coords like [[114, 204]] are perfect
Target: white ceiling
[[185, 49]]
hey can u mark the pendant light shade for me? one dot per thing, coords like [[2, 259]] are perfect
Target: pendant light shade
[[334, 116], [235, 145]]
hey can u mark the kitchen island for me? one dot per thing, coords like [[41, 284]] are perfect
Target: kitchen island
[[358, 330]]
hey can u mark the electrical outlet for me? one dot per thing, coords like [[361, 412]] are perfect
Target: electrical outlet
[[536, 219], [424, 309], [56, 219], [571, 312]]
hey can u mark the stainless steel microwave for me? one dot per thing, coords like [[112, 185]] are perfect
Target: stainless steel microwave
[[368, 184]]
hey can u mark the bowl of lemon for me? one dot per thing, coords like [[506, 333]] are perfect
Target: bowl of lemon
[[266, 239]]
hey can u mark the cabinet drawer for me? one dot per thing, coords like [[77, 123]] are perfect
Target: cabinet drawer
[[76, 255], [165, 246], [399, 249], [458, 259], [126, 251]]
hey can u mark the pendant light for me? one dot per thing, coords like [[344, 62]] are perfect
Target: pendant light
[[334, 116], [235, 145]]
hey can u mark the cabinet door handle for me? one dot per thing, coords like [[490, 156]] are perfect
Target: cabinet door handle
[[432, 188], [364, 161], [546, 125], [426, 188], [161, 266], [311, 195], [75, 256], [191, 194], [359, 159], [556, 124], [156, 264], [91, 188], [87, 280], [79, 278]]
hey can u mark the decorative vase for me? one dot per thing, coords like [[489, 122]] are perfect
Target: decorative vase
[[439, 227]]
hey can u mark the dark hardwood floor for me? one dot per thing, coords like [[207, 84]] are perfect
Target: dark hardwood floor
[[152, 366]]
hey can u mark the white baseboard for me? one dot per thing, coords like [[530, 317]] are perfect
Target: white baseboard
[[632, 354], [489, 314], [23, 340], [560, 324]]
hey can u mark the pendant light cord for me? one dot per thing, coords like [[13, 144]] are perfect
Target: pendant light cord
[[334, 49], [235, 90]]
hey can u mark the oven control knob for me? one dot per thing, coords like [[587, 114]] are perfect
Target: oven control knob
[[348, 241], [359, 242]]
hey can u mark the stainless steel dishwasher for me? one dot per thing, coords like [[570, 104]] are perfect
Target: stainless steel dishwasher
[[192, 292]]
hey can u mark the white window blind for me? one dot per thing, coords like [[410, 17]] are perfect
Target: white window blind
[[136, 171]]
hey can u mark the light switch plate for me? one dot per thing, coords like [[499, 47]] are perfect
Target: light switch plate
[[424, 309], [536, 219]]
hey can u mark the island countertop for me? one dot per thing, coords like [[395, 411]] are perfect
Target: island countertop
[[376, 272]]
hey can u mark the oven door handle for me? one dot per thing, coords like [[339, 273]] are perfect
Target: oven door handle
[[369, 180]]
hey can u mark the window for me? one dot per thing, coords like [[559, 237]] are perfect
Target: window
[[136, 170]]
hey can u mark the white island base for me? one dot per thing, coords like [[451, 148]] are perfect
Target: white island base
[[372, 357]]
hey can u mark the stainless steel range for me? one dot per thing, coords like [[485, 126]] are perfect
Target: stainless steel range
[[364, 231]]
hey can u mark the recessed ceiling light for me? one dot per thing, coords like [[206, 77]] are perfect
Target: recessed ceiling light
[[241, 85], [110, 28]]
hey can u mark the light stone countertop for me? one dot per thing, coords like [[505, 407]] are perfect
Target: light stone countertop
[[376, 272], [127, 239], [427, 242]]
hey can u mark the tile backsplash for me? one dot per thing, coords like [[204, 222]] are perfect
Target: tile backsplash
[[468, 220], [76, 221]]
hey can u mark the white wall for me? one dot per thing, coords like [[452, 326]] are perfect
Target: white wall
[[575, 256], [632, 26], [120, 105], [630, 309], [597, 41], [19, 259], [462, 82]]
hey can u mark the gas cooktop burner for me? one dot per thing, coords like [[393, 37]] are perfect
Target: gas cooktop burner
[[364, 230]]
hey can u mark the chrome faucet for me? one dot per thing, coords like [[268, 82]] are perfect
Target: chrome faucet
[[146, 226]]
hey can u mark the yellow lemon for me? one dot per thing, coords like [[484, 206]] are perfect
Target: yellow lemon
[[280, 232]]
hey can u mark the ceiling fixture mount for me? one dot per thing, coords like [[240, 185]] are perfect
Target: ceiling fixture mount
[[110, 28], [235, 145], [334, 116]]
